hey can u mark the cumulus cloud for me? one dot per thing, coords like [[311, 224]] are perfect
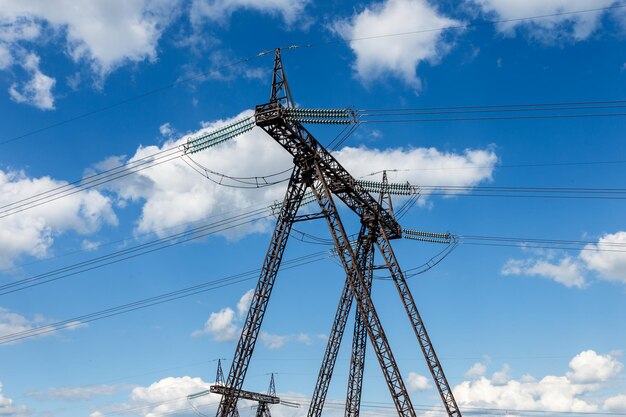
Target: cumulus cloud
[[12, 323], [422, 166], [502, 376], [567, 393], [477, 370], [273, 341], [102, 33], [37, 91], [6, 59], [604, 259], [577, 26], [610, 265], [588, 367], [219, 10], [220, 325], [175, 193], [416, 382], [168, 396], [244, 302], [566, 271], [32, 232], [8, 408], [399, 56], [616, 403], [225, 326]]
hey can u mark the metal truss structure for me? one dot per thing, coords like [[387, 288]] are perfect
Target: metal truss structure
[[316, 171]]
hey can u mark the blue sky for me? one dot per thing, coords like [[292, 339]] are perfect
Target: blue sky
[[516, 327]]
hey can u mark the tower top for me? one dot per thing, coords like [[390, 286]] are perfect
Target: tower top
[[280, 88]]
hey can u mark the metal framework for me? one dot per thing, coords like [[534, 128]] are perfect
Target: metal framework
[[316, 170]]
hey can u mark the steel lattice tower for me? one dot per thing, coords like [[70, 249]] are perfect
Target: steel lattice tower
[[317, 171]]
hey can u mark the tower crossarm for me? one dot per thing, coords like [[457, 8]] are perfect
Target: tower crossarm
[[302, 145], [246, 395]]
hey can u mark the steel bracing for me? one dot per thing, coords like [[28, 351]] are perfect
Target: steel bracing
[[263, 290], [316, 170]]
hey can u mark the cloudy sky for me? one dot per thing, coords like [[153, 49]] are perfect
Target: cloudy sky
[[126, 270]]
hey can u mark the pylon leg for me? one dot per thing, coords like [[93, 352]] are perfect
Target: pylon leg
[[359, 344], [336, 335], [375, 330], [418, 326], [260, 299]]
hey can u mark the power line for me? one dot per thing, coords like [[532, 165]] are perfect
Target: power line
[[291, 47], [457, 27], [426, 407], [92, 181], [171, 153], [494, 118], [132, 98], [536, 165], [135, 251], [156, 300], [538, 243]]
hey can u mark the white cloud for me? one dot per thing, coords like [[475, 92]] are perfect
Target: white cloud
[[477, 370], [422, 166], [37, 91], [32, 232], [168, 396], [616, 403], [220, 10], [166, 130], [502, 376], [588, 368], [416, 382], [220, 325], [11, 323], [224, 325], [399, 56], [272, 341], [89, 245], [606, 258], [6, 59], [102, 33], [577, 26], [173, 193], [244, 303], [610, 264], [8, 408], [568, 393], [567, 271]]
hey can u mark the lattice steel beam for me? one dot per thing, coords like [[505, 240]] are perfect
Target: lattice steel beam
[[260, 299], [364, 302], [359, 339], [418, 326], [336, 333]]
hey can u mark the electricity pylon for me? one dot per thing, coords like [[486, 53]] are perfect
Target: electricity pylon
[[317, 171]]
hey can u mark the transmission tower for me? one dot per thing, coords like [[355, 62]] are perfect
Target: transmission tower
[[317, 171]]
